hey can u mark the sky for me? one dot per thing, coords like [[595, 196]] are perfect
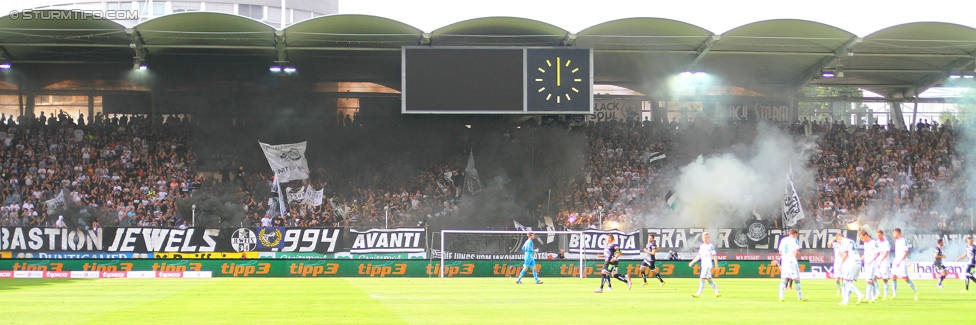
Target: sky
[[860, 17]]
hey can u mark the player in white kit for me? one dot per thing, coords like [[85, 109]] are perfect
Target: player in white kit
[[883, 264], [838, 273], [789, 251], [899, 266], [850, 267], [869, 259], [706, 253]]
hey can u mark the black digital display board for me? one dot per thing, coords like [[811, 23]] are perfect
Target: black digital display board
[[496, 80]]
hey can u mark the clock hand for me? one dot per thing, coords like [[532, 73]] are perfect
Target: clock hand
[[558, 70]]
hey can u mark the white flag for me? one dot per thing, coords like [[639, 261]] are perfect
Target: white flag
[[313, 197], [287, 160], [295, 195], [56, 203], [792, 209]]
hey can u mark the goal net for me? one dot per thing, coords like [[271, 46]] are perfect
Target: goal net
[[505, 245]]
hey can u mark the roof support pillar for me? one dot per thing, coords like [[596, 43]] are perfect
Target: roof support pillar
[[704, 48], [815, 69], [281, 50]]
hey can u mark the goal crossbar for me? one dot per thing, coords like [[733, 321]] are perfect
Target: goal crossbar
[[444, 232]]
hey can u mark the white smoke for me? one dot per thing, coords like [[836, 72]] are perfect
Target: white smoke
[[724, 189]]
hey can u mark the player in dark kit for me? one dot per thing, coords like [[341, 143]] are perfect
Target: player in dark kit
[[970, 255], [649, 261], [937, 266], [610, 254]]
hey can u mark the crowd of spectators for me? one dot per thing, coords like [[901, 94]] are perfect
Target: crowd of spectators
[[872, 176], [121, 169], [133, 171]]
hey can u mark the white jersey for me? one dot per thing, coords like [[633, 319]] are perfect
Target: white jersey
[[839, 250], [788, 246], [884, 250], [850, 246], [706, 252], [871, 253], [901, 248]]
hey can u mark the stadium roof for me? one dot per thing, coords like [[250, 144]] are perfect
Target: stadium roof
[[774, 57]]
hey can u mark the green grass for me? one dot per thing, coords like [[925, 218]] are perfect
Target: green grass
[[453, 301]]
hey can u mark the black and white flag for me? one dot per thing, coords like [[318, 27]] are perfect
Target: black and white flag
[[55, 204], [295, 195], [654, 156], [287, 160], [471, 182], [792, 209], [671, 199]]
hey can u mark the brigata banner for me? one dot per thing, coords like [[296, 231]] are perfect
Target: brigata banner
[[593, 242], [372, 268], [169, 240], [756, 236], [402, 240]]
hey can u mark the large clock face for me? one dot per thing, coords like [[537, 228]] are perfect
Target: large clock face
[[558, 80], [567, 83]]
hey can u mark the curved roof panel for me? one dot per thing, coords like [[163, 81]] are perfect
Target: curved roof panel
[[922, 38], [784, 35], [61, 35], [351, 31], [205, 28], [643, 33], [499, 31]]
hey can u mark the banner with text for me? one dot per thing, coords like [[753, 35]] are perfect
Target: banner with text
[[619, 110], [168, 240], [401, 240], [756, 110], [593, 242], [754, 237]]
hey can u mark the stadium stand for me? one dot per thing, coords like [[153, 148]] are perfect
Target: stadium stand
[[128, 172]]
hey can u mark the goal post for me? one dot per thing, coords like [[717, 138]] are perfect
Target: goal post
[[507, 245]]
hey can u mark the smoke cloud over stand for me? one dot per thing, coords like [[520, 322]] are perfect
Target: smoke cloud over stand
[[724, 189]]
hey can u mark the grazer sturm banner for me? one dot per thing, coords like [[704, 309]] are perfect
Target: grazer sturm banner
[[401, 240], [605, 110], [35, 239], [753, 237], [287, 160], [593, 242]]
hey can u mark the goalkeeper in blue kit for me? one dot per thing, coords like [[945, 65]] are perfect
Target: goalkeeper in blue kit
[[529, 249]]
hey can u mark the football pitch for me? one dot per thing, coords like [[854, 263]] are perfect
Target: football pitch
[[455, 301]]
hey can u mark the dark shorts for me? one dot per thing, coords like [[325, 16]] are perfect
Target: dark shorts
[[649, 265], [938, 266], [610, 267]]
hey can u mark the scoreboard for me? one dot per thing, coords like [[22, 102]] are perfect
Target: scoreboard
[[497, 80]]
